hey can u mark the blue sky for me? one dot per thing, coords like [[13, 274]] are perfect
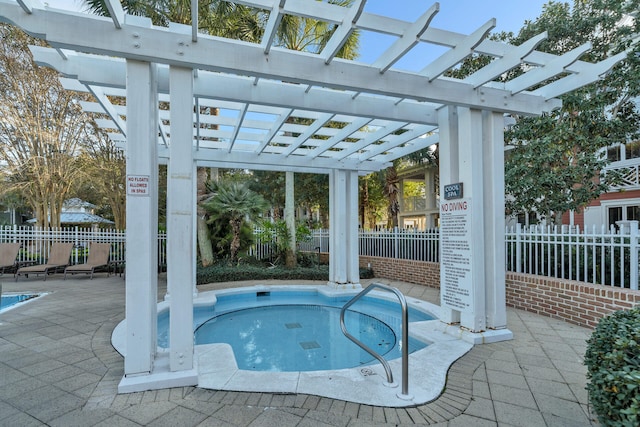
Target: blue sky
[[463, 16]]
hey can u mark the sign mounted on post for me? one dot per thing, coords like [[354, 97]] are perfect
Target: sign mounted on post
[[455, 255], [138, 185], [453, 191]]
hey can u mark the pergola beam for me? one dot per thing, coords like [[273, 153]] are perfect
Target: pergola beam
[[458, 52], [344, 30], [409, 38], [93, 70], [94, 35], [116, 12], [510, 60]]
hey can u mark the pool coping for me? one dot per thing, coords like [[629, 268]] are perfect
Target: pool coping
[[216, 367], [21, 303]]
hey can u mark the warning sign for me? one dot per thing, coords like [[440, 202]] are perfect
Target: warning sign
[[138, 185], [455, 258]]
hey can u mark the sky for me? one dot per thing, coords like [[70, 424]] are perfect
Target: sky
[[462, 16]]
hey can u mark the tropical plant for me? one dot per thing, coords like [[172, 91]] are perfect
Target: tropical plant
[[276, 234], [235, 201]]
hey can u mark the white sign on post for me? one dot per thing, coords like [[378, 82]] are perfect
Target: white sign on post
[[138, 185], [455, 254]]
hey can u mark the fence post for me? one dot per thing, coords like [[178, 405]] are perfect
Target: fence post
[[396, 243], [518, 248], [633, 247]]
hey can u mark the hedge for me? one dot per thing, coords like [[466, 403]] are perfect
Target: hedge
[[613, 369], [226, 273]]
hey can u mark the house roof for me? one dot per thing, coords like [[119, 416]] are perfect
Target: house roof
[[79, 218], [76, 202]]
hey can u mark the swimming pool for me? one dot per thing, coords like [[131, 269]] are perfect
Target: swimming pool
[[11, 300], [298, 330]]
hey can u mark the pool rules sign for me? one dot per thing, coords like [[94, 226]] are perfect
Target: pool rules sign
[[455, 254]]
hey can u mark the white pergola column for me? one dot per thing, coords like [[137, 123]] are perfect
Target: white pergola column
[[472, 277], [181, 238], [344, 271], [494, 218], [470, 161], [142, 218]]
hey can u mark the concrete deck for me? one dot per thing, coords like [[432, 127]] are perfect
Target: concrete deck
[[58, 368]]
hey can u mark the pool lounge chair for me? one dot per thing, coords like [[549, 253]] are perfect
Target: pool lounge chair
[[58, 259], [8, 255], [98, 257]]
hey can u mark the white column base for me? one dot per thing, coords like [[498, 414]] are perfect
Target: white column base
[[344, 286], [486, 337], [161, 377]]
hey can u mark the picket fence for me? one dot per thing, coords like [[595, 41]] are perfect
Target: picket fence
[[605, 256]]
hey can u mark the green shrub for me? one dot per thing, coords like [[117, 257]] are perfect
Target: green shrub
[[229, 273], [613, 369]]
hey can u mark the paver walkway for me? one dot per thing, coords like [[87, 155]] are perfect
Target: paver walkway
[[57, 367]]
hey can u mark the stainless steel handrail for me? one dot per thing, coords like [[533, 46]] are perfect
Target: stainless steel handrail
[[405, 334]]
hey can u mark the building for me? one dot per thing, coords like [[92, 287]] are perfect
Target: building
[[622, 203], [77, 212]]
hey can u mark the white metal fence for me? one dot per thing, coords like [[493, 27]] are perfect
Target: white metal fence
[[598, 256], [35, 242], [604, 256]]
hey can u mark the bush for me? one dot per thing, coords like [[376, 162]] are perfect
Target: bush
[[228, 273], [613, 368]]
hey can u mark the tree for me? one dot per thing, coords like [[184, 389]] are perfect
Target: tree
[[41, 127], [103, 168], [235, 201], [554, 165], [372, 200]]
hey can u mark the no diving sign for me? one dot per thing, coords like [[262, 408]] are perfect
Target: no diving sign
[[138, 185]]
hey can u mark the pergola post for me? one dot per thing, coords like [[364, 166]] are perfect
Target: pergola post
[[181, 237], [494, 218], [472, 278], [344, 270], [142, 223]]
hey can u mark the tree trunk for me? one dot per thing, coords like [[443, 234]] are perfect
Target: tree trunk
[[204, 239], [236, 225], [290, 218]]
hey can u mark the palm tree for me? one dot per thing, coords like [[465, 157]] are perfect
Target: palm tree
[[216, 17], [237, 202], [311, 35]]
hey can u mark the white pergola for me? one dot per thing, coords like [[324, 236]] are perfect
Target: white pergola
[[174, 78]]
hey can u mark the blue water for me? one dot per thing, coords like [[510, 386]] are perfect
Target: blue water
[[7, 301], [299, 330]]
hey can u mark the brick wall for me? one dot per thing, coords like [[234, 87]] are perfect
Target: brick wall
[[575, 302], [420, 272]]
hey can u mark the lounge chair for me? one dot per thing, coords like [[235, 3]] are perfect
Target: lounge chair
[[98, 257], [58, 259], [8, 255]]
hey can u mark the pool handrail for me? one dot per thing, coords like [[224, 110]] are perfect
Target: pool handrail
[[405, 334]]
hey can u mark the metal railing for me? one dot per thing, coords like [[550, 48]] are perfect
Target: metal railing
[[405, 334]]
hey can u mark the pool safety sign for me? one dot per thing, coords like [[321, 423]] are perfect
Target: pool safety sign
[[455, 254], [138, 185]]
